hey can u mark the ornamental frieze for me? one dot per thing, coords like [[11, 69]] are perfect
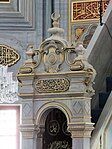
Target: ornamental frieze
[[52, 85], [87, 10], [8, 55]]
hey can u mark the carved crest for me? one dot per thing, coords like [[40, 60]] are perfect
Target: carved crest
[[8, 55], [53, 56]]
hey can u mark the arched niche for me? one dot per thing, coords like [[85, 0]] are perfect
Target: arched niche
[[42, 113], [52, 120]]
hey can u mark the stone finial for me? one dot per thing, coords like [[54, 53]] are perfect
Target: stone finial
[[55, 17], [30, 54], [55, 30], [30, 51], [30, 63]]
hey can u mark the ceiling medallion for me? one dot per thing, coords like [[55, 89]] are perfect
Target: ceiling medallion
[[8, 56]]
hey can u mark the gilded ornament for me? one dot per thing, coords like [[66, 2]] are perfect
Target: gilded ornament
[[8, 55], [87, 10], [52, 85], [59, 145], [79, 32]]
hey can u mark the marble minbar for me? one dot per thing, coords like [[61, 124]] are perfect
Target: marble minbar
[[56, 75]]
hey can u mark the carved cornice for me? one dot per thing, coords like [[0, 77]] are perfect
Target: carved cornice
[[28, 130], [46, 85]]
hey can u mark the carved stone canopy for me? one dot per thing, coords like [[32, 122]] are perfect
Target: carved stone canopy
[[56, 56], [57, 75]]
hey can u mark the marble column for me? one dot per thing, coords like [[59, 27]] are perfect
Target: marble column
[[80, 133]]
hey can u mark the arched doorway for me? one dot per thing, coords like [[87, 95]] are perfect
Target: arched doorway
[[56, 135]]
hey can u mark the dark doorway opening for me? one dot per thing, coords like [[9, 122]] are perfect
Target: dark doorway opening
[[56, 135]]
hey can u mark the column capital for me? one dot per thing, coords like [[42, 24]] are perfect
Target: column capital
[[41, 130], [29, 130], [80, 130]]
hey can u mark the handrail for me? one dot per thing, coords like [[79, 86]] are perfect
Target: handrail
[[98, 133]]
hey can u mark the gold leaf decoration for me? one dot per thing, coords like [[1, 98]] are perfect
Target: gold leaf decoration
[[52, 85], [8, 55]]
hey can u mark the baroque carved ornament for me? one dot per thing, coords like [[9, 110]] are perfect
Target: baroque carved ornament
[[53, 56], [8, 55]]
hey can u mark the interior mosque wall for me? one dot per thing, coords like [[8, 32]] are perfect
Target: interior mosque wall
[[24, 23]]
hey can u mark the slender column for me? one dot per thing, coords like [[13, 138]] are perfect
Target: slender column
[[29, 135], [40, 138]]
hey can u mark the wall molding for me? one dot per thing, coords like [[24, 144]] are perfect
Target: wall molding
[[19, 15]]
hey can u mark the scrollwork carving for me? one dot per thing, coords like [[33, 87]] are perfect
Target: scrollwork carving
[[53, 56], [70, 55]]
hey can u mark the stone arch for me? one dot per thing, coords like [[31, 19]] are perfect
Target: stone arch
[[41, 117], [46, 108]]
